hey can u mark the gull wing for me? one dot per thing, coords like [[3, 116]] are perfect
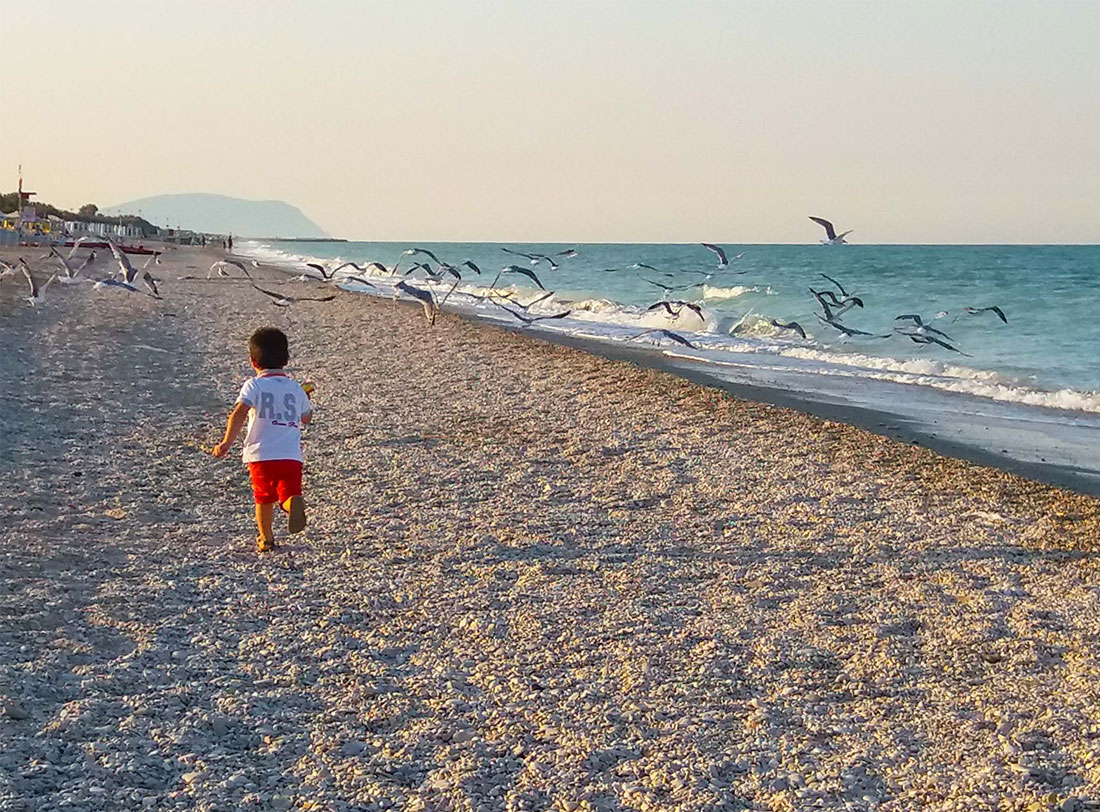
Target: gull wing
[[717, 250], [794, 325], [679, 339], [829, 230], [513, 313], [129, 274], [528, 273], [69, 272], [30, 279], [839, 286], [150, 283], [271, 293], [561, 315]]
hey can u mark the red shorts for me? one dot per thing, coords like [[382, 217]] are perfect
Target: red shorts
[[275, 480]]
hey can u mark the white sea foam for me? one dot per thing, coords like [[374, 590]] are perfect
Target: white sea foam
[[712, 292], [925, 372]]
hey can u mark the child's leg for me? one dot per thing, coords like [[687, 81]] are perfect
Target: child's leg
[[296, 507], [264, 514], [265, 495], [290, 495]]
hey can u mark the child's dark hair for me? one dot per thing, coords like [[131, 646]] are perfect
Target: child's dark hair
[[268, 348]]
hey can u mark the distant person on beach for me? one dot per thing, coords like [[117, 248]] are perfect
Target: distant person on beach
[[276, 408], [230, 241]]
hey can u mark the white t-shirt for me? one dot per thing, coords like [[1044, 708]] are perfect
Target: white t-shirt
[[276, 404]]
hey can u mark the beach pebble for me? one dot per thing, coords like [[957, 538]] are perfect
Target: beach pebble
[[15, 711]]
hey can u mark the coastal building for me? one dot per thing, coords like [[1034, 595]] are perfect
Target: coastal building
[[79, 228], [9, 228]]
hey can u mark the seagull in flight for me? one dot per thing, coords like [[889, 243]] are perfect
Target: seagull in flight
[[36, 292], [529, 320], [150, 284], [850, 301], [848, 331], [794, 325], [525, 272], [921, 326], [425, 297], [70, 276], [126, 270], [834, 308], [359, 280], [534, 259], [926, 340], [350, 277], [341, 267], [832, 238], [510, 297], [411, 251], [717, 250], [282, 300], [975, 311], [421, 266], [679, 339], [222, 267], [77, 244], [115, 283], [676, 306], [671, 288]]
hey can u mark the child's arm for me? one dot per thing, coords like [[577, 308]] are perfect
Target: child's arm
[[237, 419], [306, 418]]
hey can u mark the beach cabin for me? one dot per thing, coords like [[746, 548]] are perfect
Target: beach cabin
[[79, 228]]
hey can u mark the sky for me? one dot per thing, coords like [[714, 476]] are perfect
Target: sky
[[909, 121]]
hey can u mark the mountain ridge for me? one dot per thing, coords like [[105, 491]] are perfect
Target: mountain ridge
[[222, 214]]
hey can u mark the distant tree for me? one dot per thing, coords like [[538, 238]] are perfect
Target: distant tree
[[89, 213]]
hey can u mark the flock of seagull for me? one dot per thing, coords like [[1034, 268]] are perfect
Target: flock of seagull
[[126, 279], [834, 304], [833, 300], [426, 265]]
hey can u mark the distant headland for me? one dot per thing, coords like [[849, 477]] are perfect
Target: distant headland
[[218, 214]]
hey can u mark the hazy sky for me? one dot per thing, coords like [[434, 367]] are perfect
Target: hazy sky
[[605, 120]]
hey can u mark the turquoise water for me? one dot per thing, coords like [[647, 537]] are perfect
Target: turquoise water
[[1046, 355]]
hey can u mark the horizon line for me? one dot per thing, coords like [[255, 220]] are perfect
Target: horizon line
[[653, 242]]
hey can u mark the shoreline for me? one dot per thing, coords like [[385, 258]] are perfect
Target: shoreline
[[534, 578], [1043, 442], [904, 429]]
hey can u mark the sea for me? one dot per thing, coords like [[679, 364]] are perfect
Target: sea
[[1031, 385]]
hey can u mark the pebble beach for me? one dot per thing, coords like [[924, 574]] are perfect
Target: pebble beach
[[534, 579]]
